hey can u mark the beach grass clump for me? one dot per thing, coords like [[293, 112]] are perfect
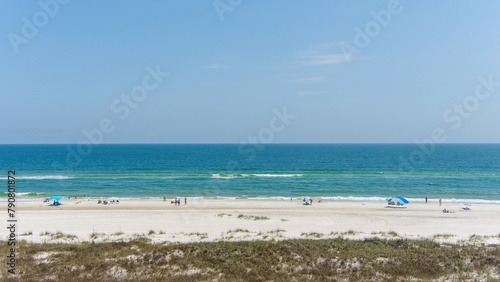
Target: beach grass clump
[[202, 236], [95, 235], [28, 233], [350, 233], [444, 236], [58, 235], [224, 214], [288, 260], [252, 217], [392, 233], [151, 232], [238, 230], [276, 231], [198, 234], [312, 235]]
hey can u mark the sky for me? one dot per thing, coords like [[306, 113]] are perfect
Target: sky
[[236, 71]]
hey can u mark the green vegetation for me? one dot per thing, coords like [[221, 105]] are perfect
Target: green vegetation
[[95, 235], [276, 232], [58, 235], [238, 230], [444, 236], [253, 217], [200, 236], [312, 235], [350, 232], [393, 233], [289, 260]]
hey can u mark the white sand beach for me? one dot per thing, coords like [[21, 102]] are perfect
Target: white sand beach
[[209, 220]]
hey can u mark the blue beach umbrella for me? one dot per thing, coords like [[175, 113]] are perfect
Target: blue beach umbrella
[[399, 200], [403, 200], [57, 198]]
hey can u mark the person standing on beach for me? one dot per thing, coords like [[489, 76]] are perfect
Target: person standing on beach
[[440, 202], [426, 199], [164, 197], [185, 201]]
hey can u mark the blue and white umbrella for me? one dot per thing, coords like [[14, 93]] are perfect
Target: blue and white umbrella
[[58, 198], [399, 200]]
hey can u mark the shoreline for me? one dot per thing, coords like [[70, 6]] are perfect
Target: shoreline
[[83, 220], [338, 199]]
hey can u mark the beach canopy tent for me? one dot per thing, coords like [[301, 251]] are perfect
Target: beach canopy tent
[[398, 200], [56, 199], [306, 201]]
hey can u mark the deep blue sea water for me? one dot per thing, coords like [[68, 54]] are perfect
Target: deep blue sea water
[[461, 172]]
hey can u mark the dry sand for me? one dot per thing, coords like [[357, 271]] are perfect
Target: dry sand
[[209, 220]]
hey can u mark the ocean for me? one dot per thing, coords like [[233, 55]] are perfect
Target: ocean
[[353, 172]]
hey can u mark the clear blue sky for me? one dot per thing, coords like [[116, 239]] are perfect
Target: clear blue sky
[[230, 71]]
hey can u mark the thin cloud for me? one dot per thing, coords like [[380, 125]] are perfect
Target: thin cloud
[[324, 54], [310, 80], [326, 59]]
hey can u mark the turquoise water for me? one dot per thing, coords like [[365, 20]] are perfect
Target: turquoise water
[[333, 171]]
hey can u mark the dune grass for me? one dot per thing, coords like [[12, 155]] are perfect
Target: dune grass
[[252, 217], [289, 260]]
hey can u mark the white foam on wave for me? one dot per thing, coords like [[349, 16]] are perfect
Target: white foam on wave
[[265, 175], [25, 193], [41, 177], [277, 175], [470, 201], [218, 176], [347, 199]]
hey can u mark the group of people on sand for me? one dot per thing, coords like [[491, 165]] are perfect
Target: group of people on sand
[[175, 201], [309, 201], [440, 203], [106, 202], [392, 203]]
